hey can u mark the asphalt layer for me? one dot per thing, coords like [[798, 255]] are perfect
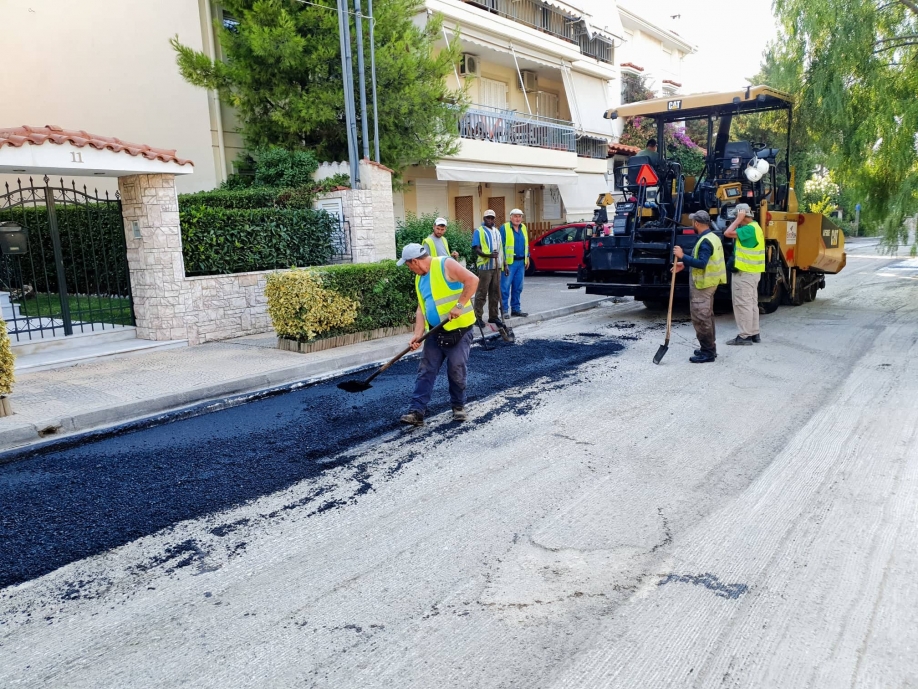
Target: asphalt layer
[[65, 505]]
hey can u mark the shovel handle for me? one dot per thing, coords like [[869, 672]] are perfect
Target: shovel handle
[[672, 291], [405, 351]]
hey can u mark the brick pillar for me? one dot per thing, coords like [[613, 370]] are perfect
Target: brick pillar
[[377, 179], [155, 258]]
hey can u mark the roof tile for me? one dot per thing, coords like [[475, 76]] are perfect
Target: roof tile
[[36, 136]]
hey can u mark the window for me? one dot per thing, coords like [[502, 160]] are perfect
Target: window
[[492, 93], [547, 105], [230, 23]]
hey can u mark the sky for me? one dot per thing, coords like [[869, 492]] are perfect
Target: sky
[[725, 59]]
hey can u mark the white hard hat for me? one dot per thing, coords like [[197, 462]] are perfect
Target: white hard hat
[[756, 169], [516, 211]]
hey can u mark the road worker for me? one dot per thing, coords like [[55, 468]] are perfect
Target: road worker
[[436, 243], [489, 261], [515, 238], [709, 269], [749, 264], [444, 290]]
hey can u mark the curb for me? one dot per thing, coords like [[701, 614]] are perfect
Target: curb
[[22, 441]]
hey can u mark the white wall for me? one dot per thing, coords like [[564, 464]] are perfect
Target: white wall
[[106, 66]]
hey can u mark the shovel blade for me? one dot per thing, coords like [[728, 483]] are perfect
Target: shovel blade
[[354, 386], [661, 352]]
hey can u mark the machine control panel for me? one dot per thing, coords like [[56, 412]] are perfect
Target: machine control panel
[[729, 192]]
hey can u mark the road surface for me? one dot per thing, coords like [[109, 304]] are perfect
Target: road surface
[[599, 521]]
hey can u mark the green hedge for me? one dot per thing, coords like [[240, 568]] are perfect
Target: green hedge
[[223, 240], [93, 244], [384, 291], [415, 229], [239, 199]]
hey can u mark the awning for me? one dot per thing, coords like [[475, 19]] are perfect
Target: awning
[[580, 198], [603, 18], [470, 35], [457, 171], [588, 98]]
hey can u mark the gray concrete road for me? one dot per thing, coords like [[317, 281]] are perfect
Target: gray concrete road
[[750, 523]]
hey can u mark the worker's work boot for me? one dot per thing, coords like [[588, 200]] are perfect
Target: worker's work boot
[[413, 418], [479, 323], [519, 314], [702, 358], [756, 338], [459, 414], [745, 341], [699, 352]]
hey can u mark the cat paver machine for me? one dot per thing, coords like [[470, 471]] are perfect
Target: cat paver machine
[[653, 200]]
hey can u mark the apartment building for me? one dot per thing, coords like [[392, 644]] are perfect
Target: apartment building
[[539, 75]]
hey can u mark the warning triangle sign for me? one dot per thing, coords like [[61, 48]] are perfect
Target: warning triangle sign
[[647, 177]]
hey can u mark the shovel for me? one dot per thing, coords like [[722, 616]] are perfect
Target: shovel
[[362, 385], [661, 352]]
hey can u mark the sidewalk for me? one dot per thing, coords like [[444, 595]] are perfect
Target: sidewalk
[[113, 391]]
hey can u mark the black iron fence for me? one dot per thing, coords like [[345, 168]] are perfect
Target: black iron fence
[[71, 274]]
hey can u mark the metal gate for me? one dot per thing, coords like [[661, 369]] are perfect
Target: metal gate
[[66, 272]]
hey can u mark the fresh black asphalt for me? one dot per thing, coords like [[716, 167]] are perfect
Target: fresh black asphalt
[[66, 505]]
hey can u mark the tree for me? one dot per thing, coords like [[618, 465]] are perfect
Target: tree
[[857, 62], [283, 76]]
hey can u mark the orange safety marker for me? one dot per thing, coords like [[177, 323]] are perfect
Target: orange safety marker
[[647, 177]]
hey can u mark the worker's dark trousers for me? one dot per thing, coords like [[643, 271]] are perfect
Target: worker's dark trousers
[[702, 306], [432, 358], [488, 290]]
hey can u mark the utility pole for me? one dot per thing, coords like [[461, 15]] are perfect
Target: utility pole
[[373, 77], [857, 218], [364, 135], [347, 79]]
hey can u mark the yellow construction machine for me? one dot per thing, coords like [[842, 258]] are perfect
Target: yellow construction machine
[[653, 199]]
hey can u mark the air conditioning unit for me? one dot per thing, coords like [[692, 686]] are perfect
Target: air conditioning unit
[[530, 81], [468, 65]]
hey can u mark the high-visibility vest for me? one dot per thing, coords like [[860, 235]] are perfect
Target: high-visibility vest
[[432, 247], [750, 260], [715, 273], [484, 241], [510, 241], [437, 296]]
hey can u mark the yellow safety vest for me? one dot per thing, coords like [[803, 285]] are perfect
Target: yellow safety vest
[[510, 241], [715, 273], [484, 241], [442, 296], [432, 248], [750, 260]]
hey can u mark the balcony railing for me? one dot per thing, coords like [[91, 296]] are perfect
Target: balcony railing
[[510, 127], [544, 18], [592, 147]]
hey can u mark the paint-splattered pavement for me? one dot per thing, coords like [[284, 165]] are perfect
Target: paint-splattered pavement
[[598, 522]]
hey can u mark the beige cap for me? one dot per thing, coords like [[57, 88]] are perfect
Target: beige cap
[[490, 214], [516, 211], [441, 221]]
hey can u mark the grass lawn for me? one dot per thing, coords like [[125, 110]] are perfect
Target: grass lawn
[[83, 307]]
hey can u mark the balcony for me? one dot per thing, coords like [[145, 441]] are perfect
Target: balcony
[[510, 127], [592, 147], [549, 20]]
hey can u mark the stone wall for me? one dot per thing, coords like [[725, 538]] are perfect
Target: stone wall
[[170, 306]]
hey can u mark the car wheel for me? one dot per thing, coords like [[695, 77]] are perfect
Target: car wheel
[[532, 267]]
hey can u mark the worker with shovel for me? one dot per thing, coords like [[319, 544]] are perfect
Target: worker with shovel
[[444, 291], [709, 269]]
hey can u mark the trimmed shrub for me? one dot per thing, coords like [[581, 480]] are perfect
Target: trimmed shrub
[[278, 167], [221, 240], [415, 229], [301, 307], [382, 292], [6, 361], [239, 199]]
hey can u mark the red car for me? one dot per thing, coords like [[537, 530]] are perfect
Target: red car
[[559, 249]]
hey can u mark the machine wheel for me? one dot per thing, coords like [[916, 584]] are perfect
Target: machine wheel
[[654, 305], [770, 304]]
